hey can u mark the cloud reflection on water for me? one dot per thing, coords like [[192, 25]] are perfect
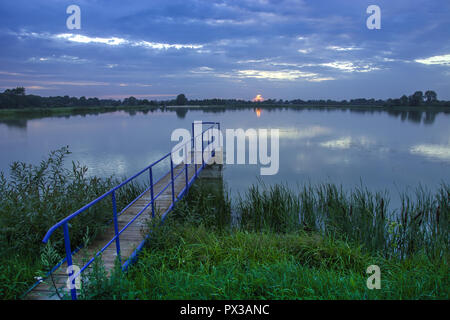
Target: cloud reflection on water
[[435, 151]]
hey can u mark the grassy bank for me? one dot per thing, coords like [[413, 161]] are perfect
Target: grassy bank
[[33, 199], [289, 246], [67, 111], [311, 243]]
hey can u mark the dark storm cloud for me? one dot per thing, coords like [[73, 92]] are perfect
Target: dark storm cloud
[[282, 49]]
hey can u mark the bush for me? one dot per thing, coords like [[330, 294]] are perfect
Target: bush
[[34, 198]]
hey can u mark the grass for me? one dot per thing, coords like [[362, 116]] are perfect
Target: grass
[[30, 113], [243, 265], [360, 216], [311, 243], [12, 116], [34, 198], [196, 254], [71, 110]]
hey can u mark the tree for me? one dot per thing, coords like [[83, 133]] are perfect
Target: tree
[[430, 96], [181, 100], [416, 99], [404, 100], [19, 91], [131, 101]]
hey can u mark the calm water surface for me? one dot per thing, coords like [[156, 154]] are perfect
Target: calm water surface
[[384, 151]]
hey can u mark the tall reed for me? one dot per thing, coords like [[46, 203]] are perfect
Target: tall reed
[[360, 216]]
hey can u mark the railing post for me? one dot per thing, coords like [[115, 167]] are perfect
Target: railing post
[[203, 159], [151, 192], [194, 150], [186, 168], [218, 128], [116, 225], [193, 136], [173, 182], [213, 152], [73, 289], [186, 165], [195, 167], [195, 161]]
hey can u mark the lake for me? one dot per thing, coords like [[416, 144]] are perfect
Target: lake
[[393, 151]]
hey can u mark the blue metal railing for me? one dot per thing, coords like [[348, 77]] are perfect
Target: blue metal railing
[[64, 223]]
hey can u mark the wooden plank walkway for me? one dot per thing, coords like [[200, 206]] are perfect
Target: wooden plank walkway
[[129, 239]]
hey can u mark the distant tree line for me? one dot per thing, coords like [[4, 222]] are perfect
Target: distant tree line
[[416, 99], [17, 99]]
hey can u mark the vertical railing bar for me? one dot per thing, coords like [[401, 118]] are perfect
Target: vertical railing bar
[[171, 177], [152, 198], [194, 143], [193, 135], [73, 290], [203, 160], [218, 144], [210, 141], [186, 167], [116, 225]]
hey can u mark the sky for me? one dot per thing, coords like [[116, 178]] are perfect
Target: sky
[[281, 49]]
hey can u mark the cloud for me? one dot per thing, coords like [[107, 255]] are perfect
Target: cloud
[[348, 66], [139, 96], [62, 58], [38, 88], [253, 61], [337, 48], [113, 41], [65, 83], [165, 46], [284, 74], [320, 79], [202, 70], [440, 60], [141, 85], [110, 41], [311, 49], [6, 73]]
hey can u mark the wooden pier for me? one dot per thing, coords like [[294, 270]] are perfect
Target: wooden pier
[[129, 239]]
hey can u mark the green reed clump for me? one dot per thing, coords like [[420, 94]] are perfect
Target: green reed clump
[[422, 223], [268, 208], [184, 261], [206, 204], [34, 198], [97, 284], [299, 252], [360, 216]]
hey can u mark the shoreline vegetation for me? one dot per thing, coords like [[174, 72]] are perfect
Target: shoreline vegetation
[[19, 117], [17, 102], [73, 111], [34, 198], [312, 243], [277, 252]]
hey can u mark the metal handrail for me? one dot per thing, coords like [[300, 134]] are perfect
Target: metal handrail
[[64, 222]]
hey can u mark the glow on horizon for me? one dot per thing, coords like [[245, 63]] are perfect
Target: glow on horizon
[[258, 98]]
